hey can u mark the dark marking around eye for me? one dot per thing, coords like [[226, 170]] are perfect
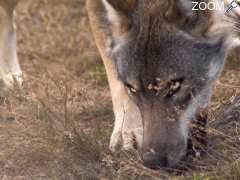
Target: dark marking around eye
[[131, 89], [174, 86]]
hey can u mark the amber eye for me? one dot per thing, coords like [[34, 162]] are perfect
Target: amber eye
[[174, 87], [131, 89]]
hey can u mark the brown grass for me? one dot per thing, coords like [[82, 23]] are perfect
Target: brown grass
[[58, 125]]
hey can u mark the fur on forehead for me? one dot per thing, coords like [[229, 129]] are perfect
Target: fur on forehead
[[204, 23], [208, 22]]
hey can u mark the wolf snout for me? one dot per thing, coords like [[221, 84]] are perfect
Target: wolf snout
[[164, 156], [156, 160]]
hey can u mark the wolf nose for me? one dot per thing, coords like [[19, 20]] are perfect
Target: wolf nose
[[154, 160]]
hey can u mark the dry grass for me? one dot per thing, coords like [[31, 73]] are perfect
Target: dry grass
[[58, 125]]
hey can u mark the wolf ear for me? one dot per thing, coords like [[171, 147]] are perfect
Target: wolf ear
[[111, 21], [118, 14], [123, 6]]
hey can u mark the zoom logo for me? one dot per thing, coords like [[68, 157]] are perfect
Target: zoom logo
[[214, 5]]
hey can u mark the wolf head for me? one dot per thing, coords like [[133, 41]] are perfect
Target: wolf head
[[169, 58]]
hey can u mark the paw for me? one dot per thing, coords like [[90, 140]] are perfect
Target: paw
[[9, 80]]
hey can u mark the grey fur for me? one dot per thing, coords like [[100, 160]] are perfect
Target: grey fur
[[169, 61]]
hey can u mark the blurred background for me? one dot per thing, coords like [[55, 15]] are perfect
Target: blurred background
[[59, 124]]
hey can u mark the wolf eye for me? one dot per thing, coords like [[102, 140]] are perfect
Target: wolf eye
[[174, 87], [131, 89]]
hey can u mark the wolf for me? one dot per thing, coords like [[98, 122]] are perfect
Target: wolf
[[162, 61]]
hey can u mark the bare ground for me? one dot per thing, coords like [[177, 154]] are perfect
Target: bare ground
[[58, 125]]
